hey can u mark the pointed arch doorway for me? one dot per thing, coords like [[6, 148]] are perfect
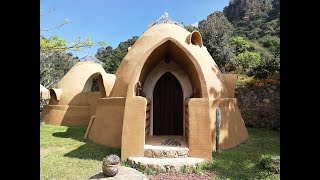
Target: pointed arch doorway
[[168, 106]]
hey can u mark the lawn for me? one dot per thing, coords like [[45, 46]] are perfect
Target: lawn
[[64, 154], [242, 162]]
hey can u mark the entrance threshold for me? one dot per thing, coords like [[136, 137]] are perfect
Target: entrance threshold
[[170, 146]]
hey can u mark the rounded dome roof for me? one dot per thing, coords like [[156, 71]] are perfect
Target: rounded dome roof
[[176, 39]]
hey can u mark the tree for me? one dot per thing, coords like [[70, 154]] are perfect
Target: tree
[[55, 60], [57, 44], [216, 31], [239, 44], [247, 61], [191, 28], [113, 57], [272, 43]]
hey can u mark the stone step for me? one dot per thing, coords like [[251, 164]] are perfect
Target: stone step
[[165, 152], [164, 164]]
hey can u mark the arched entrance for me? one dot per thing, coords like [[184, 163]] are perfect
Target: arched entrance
[[168, 106]]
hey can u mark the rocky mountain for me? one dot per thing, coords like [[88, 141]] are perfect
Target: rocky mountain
[[254, 18], [245, 9]]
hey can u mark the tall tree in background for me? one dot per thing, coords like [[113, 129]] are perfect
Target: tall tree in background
[[216, 31], [55, 61], [113, 57], [191, 28]]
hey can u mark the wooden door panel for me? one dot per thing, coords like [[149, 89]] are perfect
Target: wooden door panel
[[167, 106]]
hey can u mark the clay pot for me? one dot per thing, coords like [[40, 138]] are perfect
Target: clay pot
[[110, 170]]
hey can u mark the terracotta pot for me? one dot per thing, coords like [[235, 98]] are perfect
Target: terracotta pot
[[110, 170]]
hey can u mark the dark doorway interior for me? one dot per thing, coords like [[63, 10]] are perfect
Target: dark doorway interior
[[168, 106]]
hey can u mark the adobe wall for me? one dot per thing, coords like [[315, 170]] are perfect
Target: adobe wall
[[78, 112], [106, 129], [230, 80], [232, 129], [133, 131], [65, 115], [199, 139], [72, 103]]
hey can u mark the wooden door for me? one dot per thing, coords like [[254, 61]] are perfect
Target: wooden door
[[168, 106]]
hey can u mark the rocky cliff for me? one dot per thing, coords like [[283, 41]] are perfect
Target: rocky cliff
[[245, 9]]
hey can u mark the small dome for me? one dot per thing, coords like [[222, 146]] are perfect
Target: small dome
[[89, 58], [165, 19]]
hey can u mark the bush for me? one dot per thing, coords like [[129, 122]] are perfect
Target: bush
[[247, 62], [111, 160], [244, 80]]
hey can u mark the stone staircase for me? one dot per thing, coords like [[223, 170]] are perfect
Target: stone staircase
[[165, 154]]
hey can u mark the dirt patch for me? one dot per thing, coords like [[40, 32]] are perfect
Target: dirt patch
[[182, 176], [48, 150]]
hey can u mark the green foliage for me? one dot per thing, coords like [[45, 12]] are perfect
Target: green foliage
[[255, 59], [113, 57], [52, 43], [270, 61], [191, 28], [245, 81], [247, 61], [240, 44], [272, 43], [57, 44], [53, 67], [55, 62], [248, 82], [216, 31], [187, 169]]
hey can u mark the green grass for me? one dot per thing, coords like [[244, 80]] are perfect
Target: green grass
[[64, 154], [243, 161]]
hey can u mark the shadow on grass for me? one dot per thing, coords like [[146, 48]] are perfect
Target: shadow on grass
[[92, 151], [73, 132], [89, 150]]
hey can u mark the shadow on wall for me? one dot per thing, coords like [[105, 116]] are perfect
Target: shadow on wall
[[225, 129], [213, 91], [232, 129], [88, 150]]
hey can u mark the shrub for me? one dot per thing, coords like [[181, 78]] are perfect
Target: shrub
[[112, 159]]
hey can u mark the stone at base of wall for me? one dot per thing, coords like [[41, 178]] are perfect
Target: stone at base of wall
[[164, 164]]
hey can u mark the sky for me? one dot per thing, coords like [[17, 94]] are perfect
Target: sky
[[115, 21]]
